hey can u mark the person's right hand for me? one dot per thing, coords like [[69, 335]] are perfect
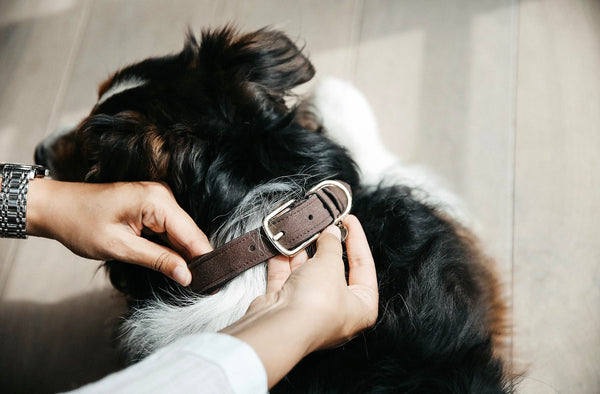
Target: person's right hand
[[105, 221]]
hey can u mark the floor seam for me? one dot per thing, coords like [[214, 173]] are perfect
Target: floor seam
[[514, 60], [70, 64]]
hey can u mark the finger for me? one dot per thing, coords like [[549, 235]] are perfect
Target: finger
[[360, 261], [142, 252], [298, 260], [329, 245], [163, 214], [278, 271], [182, 229]]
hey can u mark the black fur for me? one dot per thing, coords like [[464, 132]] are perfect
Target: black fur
[[212, 122], [432, 334]]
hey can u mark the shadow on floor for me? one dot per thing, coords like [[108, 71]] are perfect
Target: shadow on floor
[[56, 347]]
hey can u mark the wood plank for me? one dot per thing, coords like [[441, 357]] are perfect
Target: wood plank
[[51, 272], [52, 347], [557, 253], [8, 250], [35, 42], [441, 78]]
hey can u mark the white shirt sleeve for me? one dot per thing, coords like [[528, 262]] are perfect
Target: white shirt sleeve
[[202, 363]]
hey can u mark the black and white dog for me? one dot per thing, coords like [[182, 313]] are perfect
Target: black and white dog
[[215, 123]]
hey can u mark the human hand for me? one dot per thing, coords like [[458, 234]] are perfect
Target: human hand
[[105, 222], [309, 305], [336, 310]]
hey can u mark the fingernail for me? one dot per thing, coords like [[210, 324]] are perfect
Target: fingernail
[[334, 230], [182, 275]]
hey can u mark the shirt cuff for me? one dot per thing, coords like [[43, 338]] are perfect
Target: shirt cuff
[[238, 360], [201, 363]]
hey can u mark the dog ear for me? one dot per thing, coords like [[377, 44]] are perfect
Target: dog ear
[[271, 60], [256, 70]]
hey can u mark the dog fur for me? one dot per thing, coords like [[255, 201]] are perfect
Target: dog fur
[[214, 123]]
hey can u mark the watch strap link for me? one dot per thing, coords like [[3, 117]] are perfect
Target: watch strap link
[[13, 198]]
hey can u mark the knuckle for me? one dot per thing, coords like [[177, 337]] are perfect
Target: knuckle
[[161, 262]]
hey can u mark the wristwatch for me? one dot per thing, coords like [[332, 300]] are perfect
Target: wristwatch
[[13, 197]]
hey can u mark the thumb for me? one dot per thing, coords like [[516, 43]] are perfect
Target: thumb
[[329, 244]]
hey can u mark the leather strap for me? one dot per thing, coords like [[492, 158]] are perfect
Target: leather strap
[[303, 220]]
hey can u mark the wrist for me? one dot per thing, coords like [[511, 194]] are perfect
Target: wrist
[[279, 333], [41, 207], [47, 203], [54, 212], [37, 192]]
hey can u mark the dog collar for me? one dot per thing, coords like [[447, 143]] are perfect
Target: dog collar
[[287, 230]]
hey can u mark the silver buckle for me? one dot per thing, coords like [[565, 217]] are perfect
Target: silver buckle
[[274, 238], [337, 184]]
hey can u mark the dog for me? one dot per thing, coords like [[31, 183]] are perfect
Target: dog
[[219, 123]]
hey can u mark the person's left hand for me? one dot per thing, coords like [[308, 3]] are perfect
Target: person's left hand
[[309, 304], [105, 222], [335, 309]]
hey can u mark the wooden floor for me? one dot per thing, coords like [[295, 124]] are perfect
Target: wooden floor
[[501, 98]]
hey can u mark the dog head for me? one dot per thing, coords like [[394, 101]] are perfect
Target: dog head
[[211, 121]]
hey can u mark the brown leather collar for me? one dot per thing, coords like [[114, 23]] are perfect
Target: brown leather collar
[[287, 230]]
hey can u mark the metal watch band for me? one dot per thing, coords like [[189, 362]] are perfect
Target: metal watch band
[[13, 197]]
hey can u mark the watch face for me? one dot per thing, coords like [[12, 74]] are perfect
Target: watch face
[[34, 169]]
